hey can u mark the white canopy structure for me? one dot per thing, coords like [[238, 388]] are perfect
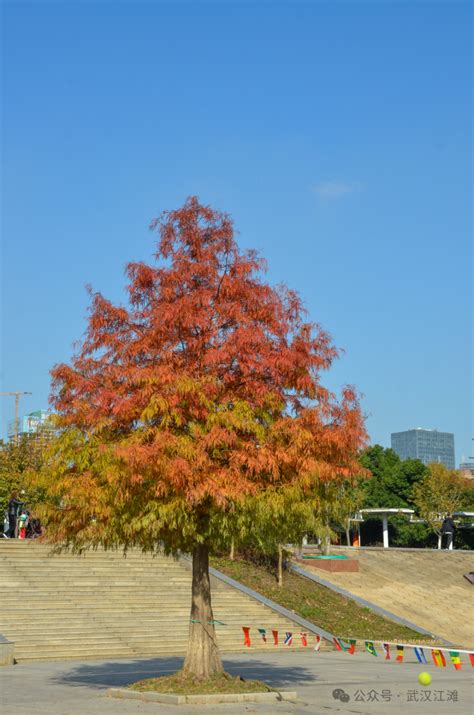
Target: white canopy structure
[[383, 514], [465, 517]]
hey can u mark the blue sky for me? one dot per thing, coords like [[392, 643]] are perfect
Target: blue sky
[[337, 134]]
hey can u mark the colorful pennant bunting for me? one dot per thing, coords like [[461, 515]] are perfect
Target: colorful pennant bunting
[[370, 648], [438, 658], [420, 655], [246, 631], [455, 659], [349, 646]]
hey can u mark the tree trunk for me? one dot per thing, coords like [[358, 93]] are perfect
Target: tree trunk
[[326, 545], [202, 658], [232, 550], [348, 535], [280, 565]]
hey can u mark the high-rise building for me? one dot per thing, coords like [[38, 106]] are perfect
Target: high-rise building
[[427, 445], [35, 425]]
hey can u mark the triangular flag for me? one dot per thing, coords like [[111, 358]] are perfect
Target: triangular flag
[[420, 655], [352, 648], [263, 633], [400, 653], [455, 659], [438, 658], [304, 639], [339, 644], [246, 631], [386, 650], [317, 645], [288, 638], [471, 658], [370, 648], [275, 637]]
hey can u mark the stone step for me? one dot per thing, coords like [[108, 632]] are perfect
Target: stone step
[[132, 617], [102, 605], [128, 631], [135, 610]]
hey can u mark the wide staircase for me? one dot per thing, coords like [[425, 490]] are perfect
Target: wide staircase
[[102, 605], [424, 586]]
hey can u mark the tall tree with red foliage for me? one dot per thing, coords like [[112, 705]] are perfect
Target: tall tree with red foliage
[[202, 393]]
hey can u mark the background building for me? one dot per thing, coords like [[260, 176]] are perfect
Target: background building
[[427, 445], [35, 424], [467, 470]]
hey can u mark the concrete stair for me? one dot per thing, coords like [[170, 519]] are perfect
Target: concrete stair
[[102, 605], [425, 587]]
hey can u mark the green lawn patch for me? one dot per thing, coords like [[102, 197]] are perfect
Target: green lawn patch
[[180, 684], [316, 603]]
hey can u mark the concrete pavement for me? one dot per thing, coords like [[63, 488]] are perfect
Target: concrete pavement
[[373, 686]]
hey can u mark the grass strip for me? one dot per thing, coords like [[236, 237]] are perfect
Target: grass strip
[[318, 604]]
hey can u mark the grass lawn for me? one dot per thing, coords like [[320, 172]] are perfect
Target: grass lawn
[[180, 684], [318, 604]]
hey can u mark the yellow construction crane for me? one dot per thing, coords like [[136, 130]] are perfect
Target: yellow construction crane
[[17, 396]]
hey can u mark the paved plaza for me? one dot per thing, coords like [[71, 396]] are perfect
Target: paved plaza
[[372, 685]]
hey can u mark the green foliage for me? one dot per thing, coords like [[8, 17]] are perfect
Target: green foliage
[[467, 499], [442, 491], [392, 479], [17, 461], [391, 486], [402, 533], [284, 516], [410, 484], [281, 516], [348, 501]]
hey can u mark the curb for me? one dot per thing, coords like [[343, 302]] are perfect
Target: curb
[[266, 697]]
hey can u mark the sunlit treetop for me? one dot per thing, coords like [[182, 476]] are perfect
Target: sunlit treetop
[[206, 387]]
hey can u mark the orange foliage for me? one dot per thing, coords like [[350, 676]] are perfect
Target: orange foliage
[[208, 383]]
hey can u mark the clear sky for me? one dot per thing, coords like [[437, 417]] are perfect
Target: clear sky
[[338, 135]]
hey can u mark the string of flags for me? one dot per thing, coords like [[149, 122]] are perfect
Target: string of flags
[[349, 645]]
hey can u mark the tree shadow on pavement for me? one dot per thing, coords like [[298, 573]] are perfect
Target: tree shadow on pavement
[[120, 673]]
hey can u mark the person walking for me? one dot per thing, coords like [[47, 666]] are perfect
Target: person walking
[[448, 529], [14, 506]]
